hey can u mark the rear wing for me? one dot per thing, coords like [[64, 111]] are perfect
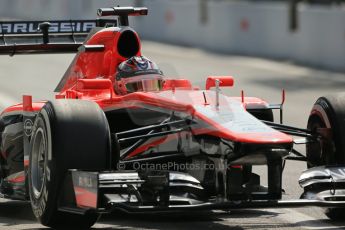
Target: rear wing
[[27, 37]]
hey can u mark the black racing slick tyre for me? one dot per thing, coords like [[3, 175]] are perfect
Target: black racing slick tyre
[[67, 134], [328, 112]]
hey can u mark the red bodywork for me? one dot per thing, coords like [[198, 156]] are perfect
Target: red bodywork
[[91, 77]]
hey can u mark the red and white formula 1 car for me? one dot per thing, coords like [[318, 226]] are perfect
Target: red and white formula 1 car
[[120, 135]]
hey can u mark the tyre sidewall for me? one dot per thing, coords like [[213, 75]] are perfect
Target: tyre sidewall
[[44, 207], [327, 110]]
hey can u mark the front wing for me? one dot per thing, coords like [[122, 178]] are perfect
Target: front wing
[[160, 191]]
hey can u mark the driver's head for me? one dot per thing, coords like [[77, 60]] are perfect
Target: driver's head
[[138, 74]]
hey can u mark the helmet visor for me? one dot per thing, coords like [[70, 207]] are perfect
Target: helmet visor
[[145, 85]]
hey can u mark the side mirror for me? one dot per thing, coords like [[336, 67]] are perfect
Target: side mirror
[[224, 81], [88, 84]]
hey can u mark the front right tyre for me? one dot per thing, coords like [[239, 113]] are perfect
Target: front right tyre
[[67, 134]]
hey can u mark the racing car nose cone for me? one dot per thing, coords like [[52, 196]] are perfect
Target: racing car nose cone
[[229, 120], [234, 123]]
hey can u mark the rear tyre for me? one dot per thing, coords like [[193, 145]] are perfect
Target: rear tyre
[[328, 112], [67, 134]]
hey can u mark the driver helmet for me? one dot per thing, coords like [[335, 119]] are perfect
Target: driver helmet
[[138, 74]]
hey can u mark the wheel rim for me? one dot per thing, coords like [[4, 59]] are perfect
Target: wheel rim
[[38, 162]]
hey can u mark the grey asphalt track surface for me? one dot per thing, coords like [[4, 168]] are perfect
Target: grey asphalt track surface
[[38, 76]]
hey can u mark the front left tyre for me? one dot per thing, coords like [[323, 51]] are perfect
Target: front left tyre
[[67, 134]]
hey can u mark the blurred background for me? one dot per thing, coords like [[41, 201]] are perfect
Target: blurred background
[[307, 32]]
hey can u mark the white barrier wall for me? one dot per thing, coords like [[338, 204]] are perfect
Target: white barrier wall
[[246, 28], [251, 29]]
